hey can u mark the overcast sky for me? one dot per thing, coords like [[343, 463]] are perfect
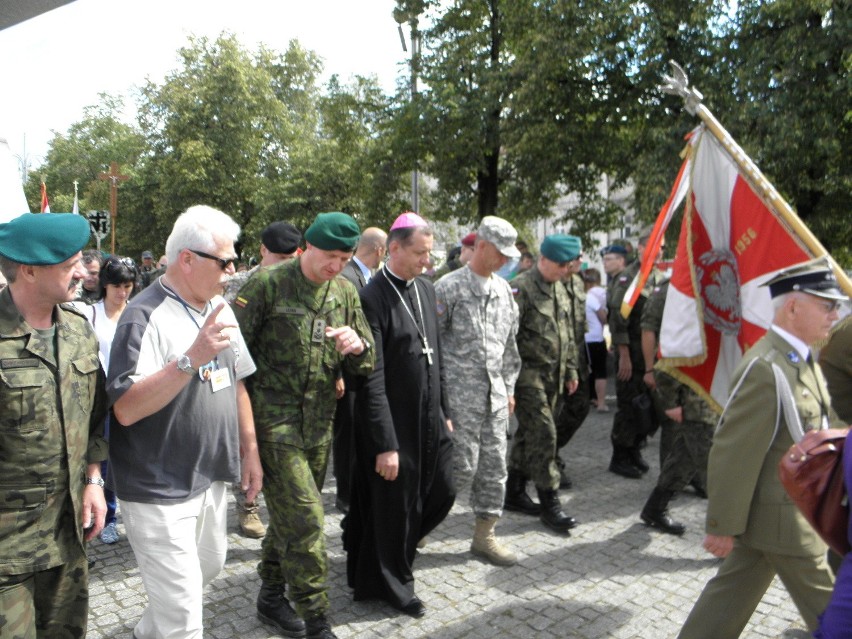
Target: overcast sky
[[55, 64]]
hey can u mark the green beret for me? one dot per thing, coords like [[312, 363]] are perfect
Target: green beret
[[561, 248], [42, 239], [333, 232]]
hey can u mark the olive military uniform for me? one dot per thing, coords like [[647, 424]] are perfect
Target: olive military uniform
[[283, 317], [627, 434], [548, 359], [52, 406]]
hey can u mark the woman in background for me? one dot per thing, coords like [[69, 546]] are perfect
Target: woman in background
[[117, 282]]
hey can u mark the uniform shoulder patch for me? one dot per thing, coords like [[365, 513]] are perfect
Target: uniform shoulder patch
[[241, 301], [441, 307]]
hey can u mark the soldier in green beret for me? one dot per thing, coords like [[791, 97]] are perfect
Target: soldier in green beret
[[304, 325], [548, 364], [52, 407]]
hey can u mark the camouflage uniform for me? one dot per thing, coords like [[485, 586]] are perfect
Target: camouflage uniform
[[683, 456], [236, 282], [51, 428], [280, 313], [548, 359], [626, 433], [477, 329], [575, 407]]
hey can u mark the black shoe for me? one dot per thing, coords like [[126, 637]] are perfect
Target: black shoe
[[414, 608], [635, 458], [656, 515], [517, 500], [625, 469], [551, 512], [319, 628], [274, 609]]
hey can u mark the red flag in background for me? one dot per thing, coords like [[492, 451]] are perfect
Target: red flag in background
[[730, 243], [45, 205]]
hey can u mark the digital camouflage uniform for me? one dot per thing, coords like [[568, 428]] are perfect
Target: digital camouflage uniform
[[236, 282], [548, 359], [575, 407], [282, 316], [51, 428], [626, 429], [481, 363], [688, 442]]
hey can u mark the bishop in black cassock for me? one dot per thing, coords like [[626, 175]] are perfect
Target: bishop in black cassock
[[400, 407]]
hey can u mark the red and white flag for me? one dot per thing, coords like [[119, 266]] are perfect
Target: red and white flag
[[730, 243], [45, 205]]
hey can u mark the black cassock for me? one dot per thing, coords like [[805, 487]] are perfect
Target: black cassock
[[399, 407]]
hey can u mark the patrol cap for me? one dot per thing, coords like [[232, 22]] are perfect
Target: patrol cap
[[43, 239], [500, 233], [147, 255], [281, 237], [469, 240], [814, 277], [334, 232], [561, 248]]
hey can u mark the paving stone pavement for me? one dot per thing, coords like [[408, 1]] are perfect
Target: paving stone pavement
[[613, 577]]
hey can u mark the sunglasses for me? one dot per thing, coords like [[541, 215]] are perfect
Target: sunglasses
[[223, 263], [115, 263]]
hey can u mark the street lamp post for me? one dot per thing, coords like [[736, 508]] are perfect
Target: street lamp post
[[401, 17]]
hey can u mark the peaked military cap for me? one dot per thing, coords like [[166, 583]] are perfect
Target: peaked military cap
[[334, 232], [500, 233], [281, 237], [815, 277], [43, 239], [561, 248]]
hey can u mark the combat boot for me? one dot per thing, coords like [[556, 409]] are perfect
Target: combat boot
[[274, 609], [552, 515], [485, 544], [318, 628], [656, 515], [517, 499], [250, 523], [635, 456], [621, 464]]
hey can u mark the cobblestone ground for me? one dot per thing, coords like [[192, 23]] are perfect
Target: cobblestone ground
[[613, 577]]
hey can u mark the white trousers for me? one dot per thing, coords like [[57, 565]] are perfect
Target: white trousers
[[179, 548]]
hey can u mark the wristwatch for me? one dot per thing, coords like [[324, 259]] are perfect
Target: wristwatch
[[185, 364], [98, 481]]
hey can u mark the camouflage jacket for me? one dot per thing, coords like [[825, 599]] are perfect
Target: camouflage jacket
[[282, 316], [577, 295], [545, 332], [628, 331], [236, 282], [51, 428], [478, 337]]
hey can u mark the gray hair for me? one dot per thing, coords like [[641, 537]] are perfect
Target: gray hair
[[197, 228]]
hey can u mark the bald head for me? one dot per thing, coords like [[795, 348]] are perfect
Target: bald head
[[371, 247]]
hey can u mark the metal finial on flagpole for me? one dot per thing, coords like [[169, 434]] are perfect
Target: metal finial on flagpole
[[678, 84]]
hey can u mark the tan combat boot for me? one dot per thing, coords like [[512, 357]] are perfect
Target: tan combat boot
[[250, 521], [485, 544]]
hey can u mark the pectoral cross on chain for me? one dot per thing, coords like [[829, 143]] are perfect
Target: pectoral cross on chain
[[427, 350]]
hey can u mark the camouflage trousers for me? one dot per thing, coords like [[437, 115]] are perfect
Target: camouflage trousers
[[688, 448], [626, 429], [534, 452], [293, 550], [52, 603], [479, 459]]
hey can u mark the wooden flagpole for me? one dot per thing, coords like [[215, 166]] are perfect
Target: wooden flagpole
[[678, 84]]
